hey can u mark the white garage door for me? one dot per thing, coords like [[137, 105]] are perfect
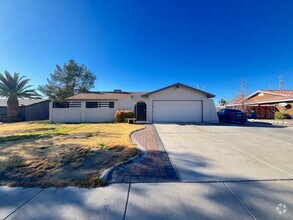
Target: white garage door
[[177, 111]]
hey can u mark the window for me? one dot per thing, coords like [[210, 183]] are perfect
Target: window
[[2, 110], [99, 105], [66, 104], [222, 111], [233, 110]]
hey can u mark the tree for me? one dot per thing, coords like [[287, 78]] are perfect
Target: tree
[[239, 99], [13, 88], [222, 102], [68, 81]]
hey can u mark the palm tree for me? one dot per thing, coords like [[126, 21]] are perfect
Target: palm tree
[[222, 102], [13, 88]]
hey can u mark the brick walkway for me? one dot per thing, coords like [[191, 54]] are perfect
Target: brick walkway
[[154, 167]]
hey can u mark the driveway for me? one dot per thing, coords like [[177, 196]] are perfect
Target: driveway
[[202, 153], [253, 163]]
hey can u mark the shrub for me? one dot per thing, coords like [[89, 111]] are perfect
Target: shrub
[[279, 115], [121, 115]]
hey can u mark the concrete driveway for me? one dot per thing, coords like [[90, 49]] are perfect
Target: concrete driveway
[[254, 163], [227, 153]]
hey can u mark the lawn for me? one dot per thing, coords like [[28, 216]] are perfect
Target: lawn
[[43, 154]]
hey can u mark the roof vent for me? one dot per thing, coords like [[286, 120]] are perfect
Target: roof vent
[[117, 90]]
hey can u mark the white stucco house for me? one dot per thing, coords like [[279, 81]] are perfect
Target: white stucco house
[[174, 103]]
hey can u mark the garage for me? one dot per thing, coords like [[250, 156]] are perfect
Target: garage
[[177, 111]]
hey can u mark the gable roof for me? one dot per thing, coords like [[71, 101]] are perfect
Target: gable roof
[[119, 95], [287, 93], [209, 95], [278, 96], [283, 93], [23, 102], [100, 96]]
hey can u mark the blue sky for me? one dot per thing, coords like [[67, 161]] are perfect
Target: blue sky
[[143, 45]]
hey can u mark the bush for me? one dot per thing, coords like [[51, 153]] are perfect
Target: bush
[[279, 115], [121, 115]]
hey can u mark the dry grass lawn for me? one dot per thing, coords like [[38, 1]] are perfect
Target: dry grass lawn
[[43, 154]]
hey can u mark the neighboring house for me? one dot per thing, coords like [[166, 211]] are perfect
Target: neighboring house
[[267, 102], [29, 110], [175, 103]]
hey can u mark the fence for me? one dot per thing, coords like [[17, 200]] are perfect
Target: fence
[[76, 112]]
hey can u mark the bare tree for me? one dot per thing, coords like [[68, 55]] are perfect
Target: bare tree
[[239, 99]]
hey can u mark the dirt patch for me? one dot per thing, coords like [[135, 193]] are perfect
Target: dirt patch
[[45, 155]]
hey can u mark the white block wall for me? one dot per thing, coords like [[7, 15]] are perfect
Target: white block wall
[[82, 114]]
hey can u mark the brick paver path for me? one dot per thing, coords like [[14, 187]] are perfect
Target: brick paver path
[[154, 167]]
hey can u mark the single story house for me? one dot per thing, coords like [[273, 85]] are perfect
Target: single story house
[[266, 102], [174, 103], [29, 110]]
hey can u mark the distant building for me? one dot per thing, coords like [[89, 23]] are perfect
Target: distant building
[[29, 110], [266, 102]]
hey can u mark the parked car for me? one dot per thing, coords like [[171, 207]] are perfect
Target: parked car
[[232, 115]]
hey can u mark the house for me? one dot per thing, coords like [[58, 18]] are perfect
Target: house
[[174, 103], [29, 110], [266, 102]]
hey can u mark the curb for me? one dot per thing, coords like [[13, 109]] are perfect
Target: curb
[[273, 122], [142, 152]]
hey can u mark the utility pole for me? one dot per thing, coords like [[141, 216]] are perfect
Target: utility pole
[[280, 83], [242, 94]]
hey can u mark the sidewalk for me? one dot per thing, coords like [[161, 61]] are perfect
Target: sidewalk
[[151, 201]]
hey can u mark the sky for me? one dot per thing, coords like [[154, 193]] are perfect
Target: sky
[[144, 45]]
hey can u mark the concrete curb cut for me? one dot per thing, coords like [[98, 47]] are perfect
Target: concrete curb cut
[[142, 152]]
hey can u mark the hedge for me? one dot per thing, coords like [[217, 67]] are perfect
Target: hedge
[[279, 115], [121, 115]]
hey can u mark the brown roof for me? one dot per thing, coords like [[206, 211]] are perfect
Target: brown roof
[[287, 93], [270, 100], [100, 96], [280, 96]]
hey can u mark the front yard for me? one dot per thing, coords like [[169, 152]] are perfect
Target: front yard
[[43, 154]]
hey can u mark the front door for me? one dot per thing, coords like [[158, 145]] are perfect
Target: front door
[[141, 111]]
